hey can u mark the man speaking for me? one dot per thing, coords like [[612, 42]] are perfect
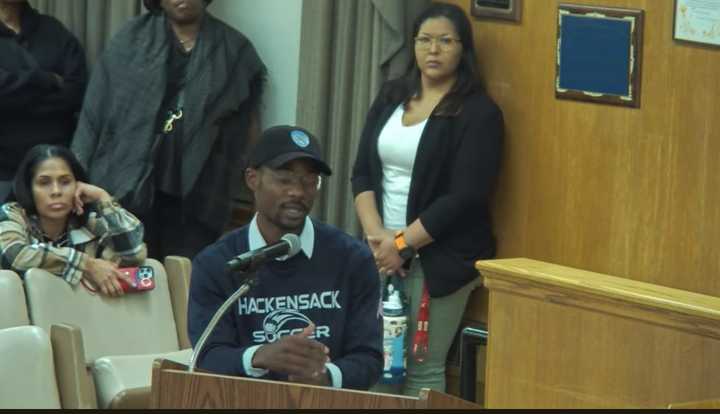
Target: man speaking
[[314, 316]]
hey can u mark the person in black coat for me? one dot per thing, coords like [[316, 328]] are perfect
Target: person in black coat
[[171, 107], [42, 80], [427, 163]]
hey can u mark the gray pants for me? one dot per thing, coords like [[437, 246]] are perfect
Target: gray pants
[[445, 316]]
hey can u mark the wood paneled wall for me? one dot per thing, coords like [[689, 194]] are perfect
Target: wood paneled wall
[[627, 192]]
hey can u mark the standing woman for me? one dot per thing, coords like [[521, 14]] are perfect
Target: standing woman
[[427, 163]]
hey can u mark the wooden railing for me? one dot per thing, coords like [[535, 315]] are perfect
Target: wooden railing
[[567, 338]]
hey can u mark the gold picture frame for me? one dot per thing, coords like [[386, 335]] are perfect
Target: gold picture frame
[[599, 54]]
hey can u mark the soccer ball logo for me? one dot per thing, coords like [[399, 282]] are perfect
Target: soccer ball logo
[[276, 323]]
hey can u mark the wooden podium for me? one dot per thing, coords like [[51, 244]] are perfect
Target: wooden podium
[[568, 338], [175, 388]]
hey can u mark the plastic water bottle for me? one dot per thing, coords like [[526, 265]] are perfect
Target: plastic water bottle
[[395, 329]]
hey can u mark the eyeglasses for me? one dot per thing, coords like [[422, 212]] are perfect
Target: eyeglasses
[[287, 179], [445, 43]]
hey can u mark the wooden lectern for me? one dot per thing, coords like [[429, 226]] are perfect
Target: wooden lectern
[[568, 338], [175, 388]]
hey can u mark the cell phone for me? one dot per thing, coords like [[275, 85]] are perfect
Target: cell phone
[[143, 279]]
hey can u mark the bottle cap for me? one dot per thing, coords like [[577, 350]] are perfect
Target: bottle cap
[[393, 306]]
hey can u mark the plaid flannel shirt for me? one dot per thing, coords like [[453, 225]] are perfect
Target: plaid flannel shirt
[[110, 233]]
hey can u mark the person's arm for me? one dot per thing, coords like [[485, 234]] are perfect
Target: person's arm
[[380, 240], [475, 169], [362, 185], [21, 255], [118, 229], [21, 88], [369, 216], [360, 365], [244, 125], [385, 249], [242, 131], [72, 75], [87, 133]]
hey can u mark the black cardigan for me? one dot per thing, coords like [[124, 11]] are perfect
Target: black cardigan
[[455, 170]]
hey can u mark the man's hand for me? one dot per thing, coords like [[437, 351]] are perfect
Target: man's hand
[[301, 358]]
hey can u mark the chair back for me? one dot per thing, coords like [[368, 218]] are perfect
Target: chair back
[[135, 323], [27, 370], [13, 309]]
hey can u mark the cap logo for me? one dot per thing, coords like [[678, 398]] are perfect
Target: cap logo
[[300, 138]]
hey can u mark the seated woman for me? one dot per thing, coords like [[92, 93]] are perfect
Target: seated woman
[[65, 226]]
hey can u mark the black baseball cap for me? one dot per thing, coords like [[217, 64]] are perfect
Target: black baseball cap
[[282, 144]]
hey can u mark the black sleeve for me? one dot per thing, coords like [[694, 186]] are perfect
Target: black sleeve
[[20, 88], [73, 69], [240, 129], [474, 169], [222, 353], [362, 361], [89, 126], [361, 173]]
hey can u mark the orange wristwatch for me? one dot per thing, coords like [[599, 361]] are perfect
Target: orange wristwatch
[[405, 251]]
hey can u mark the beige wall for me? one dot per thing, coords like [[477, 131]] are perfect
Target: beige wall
[[627, 192]]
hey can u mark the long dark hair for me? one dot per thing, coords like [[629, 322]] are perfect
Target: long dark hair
[[22, 186], [467, 81]]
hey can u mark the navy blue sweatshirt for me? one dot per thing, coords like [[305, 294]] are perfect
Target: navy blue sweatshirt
[[338, 289]]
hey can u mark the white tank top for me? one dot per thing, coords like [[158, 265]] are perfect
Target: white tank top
[[397, 146]]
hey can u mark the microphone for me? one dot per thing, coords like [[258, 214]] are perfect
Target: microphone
[[289, 245]]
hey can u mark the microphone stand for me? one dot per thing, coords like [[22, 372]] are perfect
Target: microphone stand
[[250, 281]]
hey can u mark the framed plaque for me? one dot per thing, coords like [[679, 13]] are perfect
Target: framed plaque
[[697, 21], [496, 9], [599, 54]]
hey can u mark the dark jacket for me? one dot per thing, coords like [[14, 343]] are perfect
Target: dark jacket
[[35, 108], [455, 170], [117, 129]]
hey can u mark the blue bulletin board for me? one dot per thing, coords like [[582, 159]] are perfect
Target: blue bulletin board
[[599, 54]]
